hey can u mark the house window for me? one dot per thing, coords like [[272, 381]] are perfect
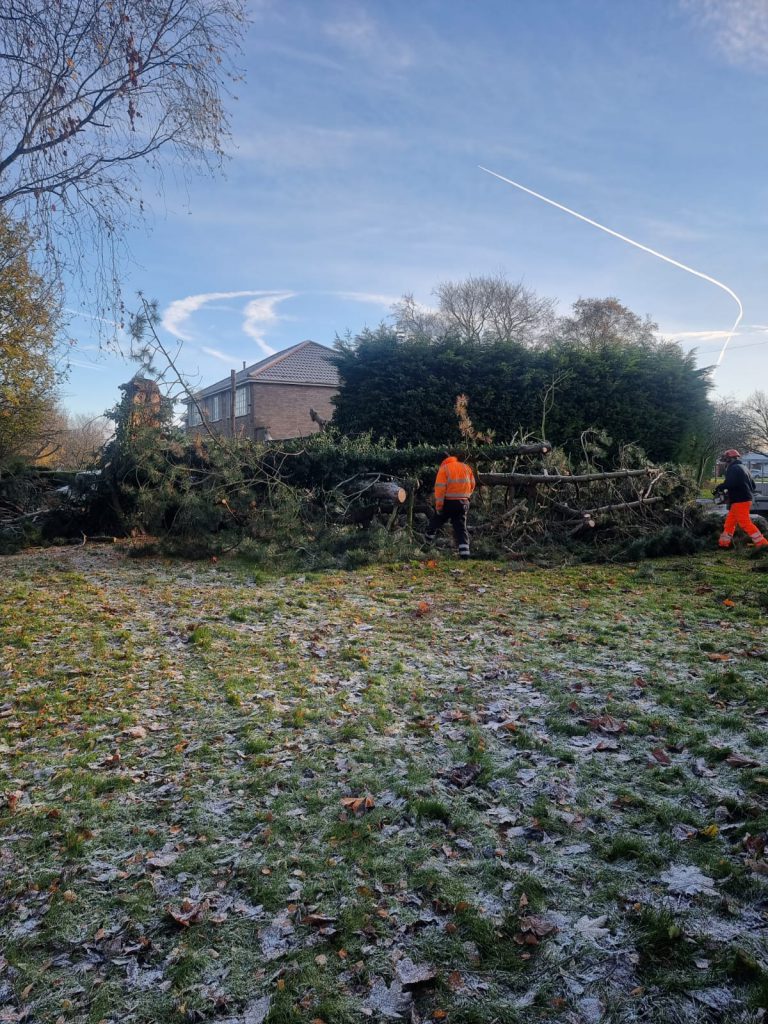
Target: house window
[[193, 416], [241, 401], [214, 405]]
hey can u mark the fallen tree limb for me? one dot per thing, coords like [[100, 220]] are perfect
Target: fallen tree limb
[[622, 505], [587, 513], [509, 479]]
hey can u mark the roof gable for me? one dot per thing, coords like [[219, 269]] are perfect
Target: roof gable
[[305, 363]]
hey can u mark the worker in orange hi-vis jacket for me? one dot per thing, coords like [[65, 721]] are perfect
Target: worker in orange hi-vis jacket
[[738, 488], [454, 485]]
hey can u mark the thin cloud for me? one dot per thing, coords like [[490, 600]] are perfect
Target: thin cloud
[[363, 37], [219, 355], [299, 56], [708, 335], [90, 316], [260, 314], [180, 310], [372, 298], [739, 27], [279, 147], [86, 366]]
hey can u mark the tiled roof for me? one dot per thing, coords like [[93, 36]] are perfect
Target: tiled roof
[[305, 363]]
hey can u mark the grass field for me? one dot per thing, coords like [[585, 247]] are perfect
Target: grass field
[[426, 791]]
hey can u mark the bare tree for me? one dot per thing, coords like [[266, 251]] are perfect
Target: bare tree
[[729, 427], [757, 409], [478, 309], [67, 440], [493, 308], [412, 320], [91, 90]]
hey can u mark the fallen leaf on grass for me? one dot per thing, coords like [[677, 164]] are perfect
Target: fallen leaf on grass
[[255, 1012], [606, 723], [502, 815], [318, 920], [162, 860], [135, 732], [411, 975], [742, 761], [387, 1001], [189, 912], [455, 981], [687, 880], [702, 769], [682, 832], [358, 804], [661, 756], [532, 929], [591, 1009], [12, 799], [463, 775], [755, 844], [603, 746], [592, 928], [719, 999]]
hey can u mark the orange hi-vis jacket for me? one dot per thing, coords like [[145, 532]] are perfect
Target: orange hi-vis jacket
[[454, 480]]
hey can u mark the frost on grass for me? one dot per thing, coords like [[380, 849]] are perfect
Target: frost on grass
[[411, 792]]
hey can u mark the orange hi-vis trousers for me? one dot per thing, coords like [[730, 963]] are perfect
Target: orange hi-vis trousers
[[738, 515]]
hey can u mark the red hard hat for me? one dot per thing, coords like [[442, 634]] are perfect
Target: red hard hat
[[731, 453]]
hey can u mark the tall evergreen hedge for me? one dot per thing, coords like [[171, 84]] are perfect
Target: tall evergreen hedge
[[651, 396]]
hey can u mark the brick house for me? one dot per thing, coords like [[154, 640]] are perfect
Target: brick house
[[272, 398]]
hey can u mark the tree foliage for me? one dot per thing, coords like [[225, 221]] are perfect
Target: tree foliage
[[90, 90], [596, 323], [29, 324]]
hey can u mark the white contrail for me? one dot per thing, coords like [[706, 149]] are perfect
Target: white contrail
[[637, 245]]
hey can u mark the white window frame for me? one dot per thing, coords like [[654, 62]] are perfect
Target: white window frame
[[243, 400], [194, 418], [215, 407]]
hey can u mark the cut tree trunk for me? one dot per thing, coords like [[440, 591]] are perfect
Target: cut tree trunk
[[387, 491]]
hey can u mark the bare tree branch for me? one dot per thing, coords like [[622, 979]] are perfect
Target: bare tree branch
[[91, 90]]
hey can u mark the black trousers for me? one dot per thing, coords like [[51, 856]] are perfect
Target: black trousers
[[455, 510]]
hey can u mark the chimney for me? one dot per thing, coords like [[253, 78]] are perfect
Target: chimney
[[243, 364]]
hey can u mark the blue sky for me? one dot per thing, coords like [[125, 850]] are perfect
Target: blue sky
[[353, 176]]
